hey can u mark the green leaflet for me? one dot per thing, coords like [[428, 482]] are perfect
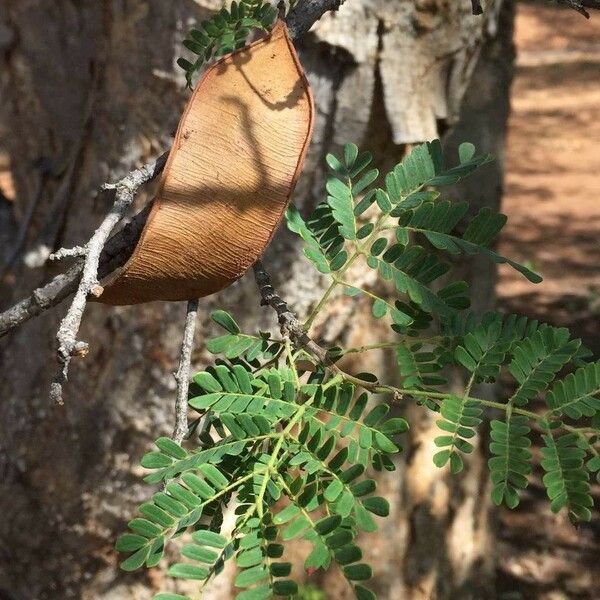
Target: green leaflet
[[509, 465], [411, 273], [460, 417], [179, 506], [483, 349], [537, 359], [313, 251], [370, 437], [335, 221], [224, 32], [578, 394], [424, 166], [381, 308], [331, 537], [419, 367], [566, 481], [225, 320], [436, 222], [342, 207]]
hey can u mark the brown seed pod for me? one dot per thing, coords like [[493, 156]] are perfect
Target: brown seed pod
[[239, 149]]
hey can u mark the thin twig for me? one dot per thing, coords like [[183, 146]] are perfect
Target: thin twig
[[116, 252], [183, 372], [581, 5], [63, 253], [292, 328], [68, 345]]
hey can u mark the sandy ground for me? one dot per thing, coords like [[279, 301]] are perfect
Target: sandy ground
[[553, 204], [553, 170]]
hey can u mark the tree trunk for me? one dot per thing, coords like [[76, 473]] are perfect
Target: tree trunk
[[88, 90]]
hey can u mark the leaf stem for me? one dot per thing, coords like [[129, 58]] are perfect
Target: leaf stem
[[270, 467], [366, 348], [291, 361], [381, 388], [359, 251], [326, 295]]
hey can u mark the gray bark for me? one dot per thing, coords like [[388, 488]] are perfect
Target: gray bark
[[89, 89]]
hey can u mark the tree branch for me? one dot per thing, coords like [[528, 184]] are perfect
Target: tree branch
[[115, 254], [291, 327], [68, 345], [306, 13], [288, 322], [581, 5], [183, 372]]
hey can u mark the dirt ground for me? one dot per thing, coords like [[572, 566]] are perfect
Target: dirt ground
[[552, 170], [552, 201]]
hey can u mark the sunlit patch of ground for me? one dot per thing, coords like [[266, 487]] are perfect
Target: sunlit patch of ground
[[553, 203]]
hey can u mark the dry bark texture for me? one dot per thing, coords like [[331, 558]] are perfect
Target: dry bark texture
[[89, 88]]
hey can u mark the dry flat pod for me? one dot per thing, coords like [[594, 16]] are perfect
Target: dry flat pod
[[237, 154]]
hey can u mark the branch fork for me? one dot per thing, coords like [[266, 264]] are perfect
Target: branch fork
[[288, 322], [68, 345]]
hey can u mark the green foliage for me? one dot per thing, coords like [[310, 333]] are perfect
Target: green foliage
[[224, 32], [403, 231], [577, 394], [335, 220], [566, 479], [270, 437], [509, 465], [537, 359], [461, 416], [420, 369], [289, 441], [435, 221], [484, 346], [237, 345]]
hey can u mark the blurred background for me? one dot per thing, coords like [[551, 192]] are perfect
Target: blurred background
[[89, 88]]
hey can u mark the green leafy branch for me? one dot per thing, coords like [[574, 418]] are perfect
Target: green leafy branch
[[289, 437], [534, 354], [224, 32]]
